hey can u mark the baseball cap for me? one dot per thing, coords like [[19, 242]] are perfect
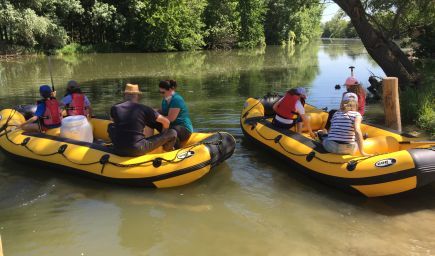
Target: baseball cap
[[301, 91], [72, 84], [45, 91], [351, 81], [350, 96]]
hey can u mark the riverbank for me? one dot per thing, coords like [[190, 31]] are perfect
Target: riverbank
[[418, 104]]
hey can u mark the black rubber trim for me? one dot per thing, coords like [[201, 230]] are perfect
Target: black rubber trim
[[294, 135], [143, 182], [340, 181], [424, 165], [71, 141], [221, 151]]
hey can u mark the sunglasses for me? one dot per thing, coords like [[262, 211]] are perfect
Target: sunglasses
[[161, 92]]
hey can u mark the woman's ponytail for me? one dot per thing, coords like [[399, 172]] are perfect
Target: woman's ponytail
[[173, 84]]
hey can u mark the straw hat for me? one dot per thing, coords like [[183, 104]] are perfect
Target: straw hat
[[132, 89]]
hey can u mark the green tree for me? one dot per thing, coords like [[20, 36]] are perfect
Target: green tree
[[24, 27], [251, 21], [222, 23], [107, 22], [306, 23], [339, 27], [289, 20], [379, 22], [169, 25]]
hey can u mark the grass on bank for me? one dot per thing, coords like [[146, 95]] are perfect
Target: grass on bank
[[417, 105], [75, 48]]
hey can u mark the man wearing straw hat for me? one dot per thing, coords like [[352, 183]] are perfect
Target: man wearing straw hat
[[129, 121]]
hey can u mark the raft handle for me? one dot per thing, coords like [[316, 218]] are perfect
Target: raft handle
[[310, 156], [351, 165], [277, 138], [157, 162], [25, 141], [253, 125], [62, 149]]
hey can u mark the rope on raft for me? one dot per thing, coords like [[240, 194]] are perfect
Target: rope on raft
[[351, 165], [105, 159]]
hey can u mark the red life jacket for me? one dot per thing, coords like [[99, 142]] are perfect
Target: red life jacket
[[77, 105], [287, 106], [52, 115]]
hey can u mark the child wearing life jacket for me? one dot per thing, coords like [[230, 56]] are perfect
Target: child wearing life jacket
[[75, 102], [290, 111], [352, 85], [48, 114]]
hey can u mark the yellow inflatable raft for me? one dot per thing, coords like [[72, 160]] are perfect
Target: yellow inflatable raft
[[157, 169], [399, 164]]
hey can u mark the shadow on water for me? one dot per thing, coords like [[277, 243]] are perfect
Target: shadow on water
[[411, 201]]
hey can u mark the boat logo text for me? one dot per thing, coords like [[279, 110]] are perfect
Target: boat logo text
[[185, 155], [385, 162]]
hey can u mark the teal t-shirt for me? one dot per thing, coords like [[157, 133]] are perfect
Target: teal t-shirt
[[183, 118]]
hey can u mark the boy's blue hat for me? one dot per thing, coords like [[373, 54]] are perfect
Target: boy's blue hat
[[45, 91]]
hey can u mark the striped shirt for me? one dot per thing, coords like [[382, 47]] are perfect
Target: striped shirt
[[343, 126]]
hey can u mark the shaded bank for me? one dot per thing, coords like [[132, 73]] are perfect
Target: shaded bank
[[153, 25]]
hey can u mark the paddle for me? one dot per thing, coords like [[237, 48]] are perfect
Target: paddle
[[51, 75]]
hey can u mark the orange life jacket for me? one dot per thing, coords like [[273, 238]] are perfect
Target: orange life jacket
[[77, 105], [52, 115], [287, 107]]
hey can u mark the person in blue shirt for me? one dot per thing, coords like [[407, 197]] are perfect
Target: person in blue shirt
[[174, 108], [75, 101], [47, 114]]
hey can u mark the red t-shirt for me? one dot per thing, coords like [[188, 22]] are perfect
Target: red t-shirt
[[361, 103]]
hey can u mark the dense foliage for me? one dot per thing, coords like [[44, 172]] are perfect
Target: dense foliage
[[339, 27], [290, 20], [410, 21], [156, 25]]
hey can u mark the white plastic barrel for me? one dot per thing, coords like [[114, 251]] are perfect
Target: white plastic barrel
[[76, 128]]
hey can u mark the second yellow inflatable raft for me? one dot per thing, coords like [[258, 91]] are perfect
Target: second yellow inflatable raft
[[399, 163]]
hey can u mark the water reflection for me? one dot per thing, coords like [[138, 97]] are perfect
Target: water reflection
[[252, 204]]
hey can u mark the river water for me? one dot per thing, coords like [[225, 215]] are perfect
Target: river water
[[253, 204]]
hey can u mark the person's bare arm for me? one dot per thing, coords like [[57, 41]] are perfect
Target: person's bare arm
[[359, 137], [275, 106], [31, 120], [173, 114], [90, 111], [307, 124], [164, 121]]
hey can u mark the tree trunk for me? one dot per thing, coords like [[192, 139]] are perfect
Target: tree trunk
[[385, 52]]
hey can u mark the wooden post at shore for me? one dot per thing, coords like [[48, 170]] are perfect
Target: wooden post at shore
[[390, 87]]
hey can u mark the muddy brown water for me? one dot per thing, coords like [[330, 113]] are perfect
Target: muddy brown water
[[253, 204]]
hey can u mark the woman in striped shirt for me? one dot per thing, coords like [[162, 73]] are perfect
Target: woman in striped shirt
[[345, 135]]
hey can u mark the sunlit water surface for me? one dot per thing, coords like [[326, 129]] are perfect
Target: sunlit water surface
[[253, 204]]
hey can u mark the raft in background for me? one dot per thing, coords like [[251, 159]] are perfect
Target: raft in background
[[399, 163], [160, 169]]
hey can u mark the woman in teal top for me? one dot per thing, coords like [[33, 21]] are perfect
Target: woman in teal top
[[174, 108]]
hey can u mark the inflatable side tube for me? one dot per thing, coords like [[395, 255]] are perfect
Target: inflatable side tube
[[221, 146], [424, 165]]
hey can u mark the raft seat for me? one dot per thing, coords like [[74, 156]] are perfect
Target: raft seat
[[381, 145]]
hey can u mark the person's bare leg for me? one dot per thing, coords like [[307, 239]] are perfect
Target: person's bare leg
[[299, 126], [33, 127]]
